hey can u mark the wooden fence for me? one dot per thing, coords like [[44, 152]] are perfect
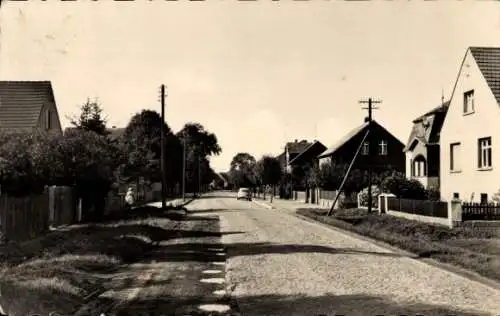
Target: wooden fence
[[24, 218], [478, 211], [418, 207]]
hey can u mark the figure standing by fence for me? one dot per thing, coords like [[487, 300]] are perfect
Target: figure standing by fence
[[130, 197]]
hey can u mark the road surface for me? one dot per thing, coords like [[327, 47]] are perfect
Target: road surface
[[278, 264]]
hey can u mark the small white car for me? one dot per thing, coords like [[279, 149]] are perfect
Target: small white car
[[244, 193]]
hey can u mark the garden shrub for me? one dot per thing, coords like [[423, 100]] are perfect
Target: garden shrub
[[404, 188], [376, 191]]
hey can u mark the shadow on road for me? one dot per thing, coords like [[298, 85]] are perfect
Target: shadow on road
[[177, 252], [352, 305]]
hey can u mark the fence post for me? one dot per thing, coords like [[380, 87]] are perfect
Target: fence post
[[454, 212]]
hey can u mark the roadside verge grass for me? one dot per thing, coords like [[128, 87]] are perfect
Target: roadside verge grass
[[61, 271], [473, 249]]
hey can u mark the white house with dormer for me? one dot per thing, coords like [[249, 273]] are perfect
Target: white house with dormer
[[470, 136]]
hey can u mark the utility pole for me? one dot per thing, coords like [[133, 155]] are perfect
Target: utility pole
[[163, 174], [184, 166], [370, 108]]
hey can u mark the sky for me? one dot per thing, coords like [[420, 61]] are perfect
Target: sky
[[257, 74]]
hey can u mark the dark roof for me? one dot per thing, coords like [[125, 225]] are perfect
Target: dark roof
[[344, 140], [352, 134], [115, 132], [21, 102], [432, 137], [297, 147], [488, 61], [315, 148], [443, 108]]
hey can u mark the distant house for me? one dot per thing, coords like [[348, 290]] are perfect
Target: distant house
[[470, 137], [115, 132], [387, 150], [308, 157], [422, 148], [28, 106], [291, 150]]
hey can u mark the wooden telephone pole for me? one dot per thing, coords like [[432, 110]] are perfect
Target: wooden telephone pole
[[163, 172], [370, 108]]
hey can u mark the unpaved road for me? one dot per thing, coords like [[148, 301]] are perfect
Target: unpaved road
[[281, 265]]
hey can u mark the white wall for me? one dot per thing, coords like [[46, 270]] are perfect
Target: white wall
[[467, 129]]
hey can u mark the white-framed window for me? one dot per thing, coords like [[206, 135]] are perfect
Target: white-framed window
[[469, 102], [484, 152], [382, 148], [455, 157], [419, 167], [366, 148]]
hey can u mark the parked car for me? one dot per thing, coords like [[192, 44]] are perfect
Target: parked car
[[244, 193]]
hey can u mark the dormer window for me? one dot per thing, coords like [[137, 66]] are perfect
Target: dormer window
[[469, 102]]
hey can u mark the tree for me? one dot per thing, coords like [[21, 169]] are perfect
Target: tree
[[81, 159], [19, 175], [242, 170], [141, 143], [91, 118], [268, 171], [200, 144]]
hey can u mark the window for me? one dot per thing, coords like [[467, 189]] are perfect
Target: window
[[48, 120], [419, 167], [469, 101], [484, 152], [382, 148], [484, 198], [366, 148], [456, 195], [455, 157]]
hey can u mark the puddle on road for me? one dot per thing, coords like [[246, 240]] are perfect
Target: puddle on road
[[220, 308], [219, 292], [213, 280], [219, 263], [212, 271]]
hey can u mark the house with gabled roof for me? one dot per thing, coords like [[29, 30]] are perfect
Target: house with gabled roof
[[470, 137], [422, 148], [28, 106], [387, 150]]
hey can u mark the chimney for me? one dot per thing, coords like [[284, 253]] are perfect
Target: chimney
[[296, 140], [366, 119]]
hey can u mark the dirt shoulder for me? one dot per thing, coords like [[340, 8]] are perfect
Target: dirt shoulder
[[73, 267]]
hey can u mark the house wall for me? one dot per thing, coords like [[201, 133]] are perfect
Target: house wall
[[395, 156], [54, 117], [467, 129]]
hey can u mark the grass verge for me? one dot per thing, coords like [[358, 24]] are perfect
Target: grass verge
[[473, 249], [61, 271]]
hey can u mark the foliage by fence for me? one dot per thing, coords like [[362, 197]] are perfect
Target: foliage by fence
[[478, 211], [418, 207]]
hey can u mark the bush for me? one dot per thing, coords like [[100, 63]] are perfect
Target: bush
[[363, 195], [347, 201], [404, 188], [433, 194]]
